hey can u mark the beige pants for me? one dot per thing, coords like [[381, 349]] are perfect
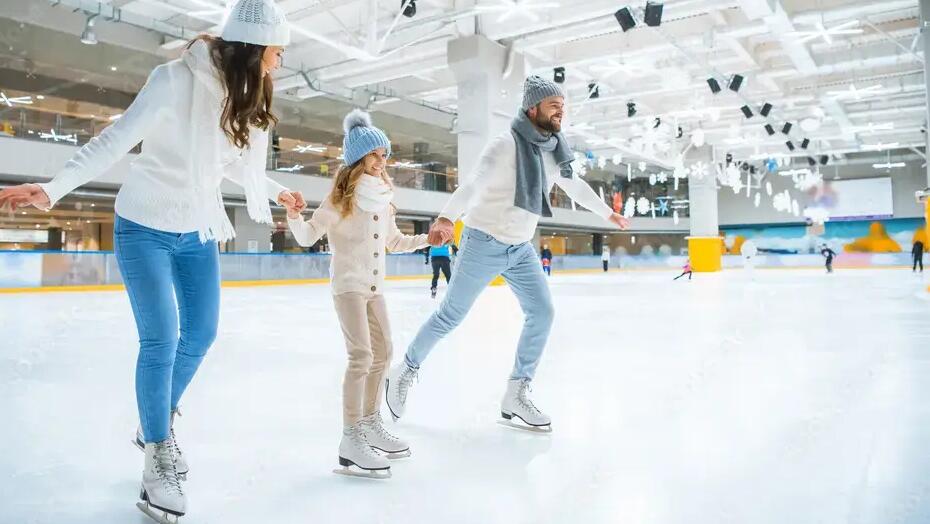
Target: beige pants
[[367, 332]]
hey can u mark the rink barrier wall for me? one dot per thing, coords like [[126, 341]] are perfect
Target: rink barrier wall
[[54, 271]]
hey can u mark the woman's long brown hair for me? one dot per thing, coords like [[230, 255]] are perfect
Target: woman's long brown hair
[[248, 91], [347, 177]]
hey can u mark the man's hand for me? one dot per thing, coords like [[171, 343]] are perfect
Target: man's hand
[[621, 221], [293, 201], [441, 232], [24, 195]]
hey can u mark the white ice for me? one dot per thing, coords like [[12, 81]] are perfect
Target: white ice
[[798, 398]]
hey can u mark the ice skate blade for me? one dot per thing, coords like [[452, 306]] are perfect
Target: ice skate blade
[[509, 423], [376, 474], [160, 516]]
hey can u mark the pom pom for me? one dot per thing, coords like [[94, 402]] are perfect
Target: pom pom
[[357, 118]]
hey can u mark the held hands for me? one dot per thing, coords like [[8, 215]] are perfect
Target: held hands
[[293, 201], [24, 195], [441, 232], [621, 221]]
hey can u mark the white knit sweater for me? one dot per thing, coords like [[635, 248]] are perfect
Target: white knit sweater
[[358, 243], [487, 200], [160, 191]]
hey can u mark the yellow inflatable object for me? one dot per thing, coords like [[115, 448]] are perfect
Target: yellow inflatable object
[[877, 241], [737, 244]]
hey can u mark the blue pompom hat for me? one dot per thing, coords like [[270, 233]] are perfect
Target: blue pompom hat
[[361, 137]]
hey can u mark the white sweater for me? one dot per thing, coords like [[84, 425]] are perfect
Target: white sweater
[[487, 200], [159, 191], [358, 243]]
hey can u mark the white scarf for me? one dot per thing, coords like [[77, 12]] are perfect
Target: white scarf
[[206, 151], [373, 194]]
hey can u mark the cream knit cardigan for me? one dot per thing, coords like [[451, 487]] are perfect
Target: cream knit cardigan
[[358, 243], [174, 184]]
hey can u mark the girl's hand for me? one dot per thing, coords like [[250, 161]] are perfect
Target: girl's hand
[[24, 195], [293, 201]]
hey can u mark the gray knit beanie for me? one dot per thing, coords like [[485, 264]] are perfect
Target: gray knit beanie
[[536, 88]]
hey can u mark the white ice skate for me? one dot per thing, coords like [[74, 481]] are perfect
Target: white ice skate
[[379, 438], [517, 405], [179, 461], [162, 497], [396, 386], [358, 458]]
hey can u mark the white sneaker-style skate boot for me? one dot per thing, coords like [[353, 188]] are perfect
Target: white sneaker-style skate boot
[[396, 385], [179, 461], [379, 438], [162, 497], [517, 404], [358, 458]]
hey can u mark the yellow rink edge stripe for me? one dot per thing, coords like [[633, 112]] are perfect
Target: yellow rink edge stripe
[[306, 281]]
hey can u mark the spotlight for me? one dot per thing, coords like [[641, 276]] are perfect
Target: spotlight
[[656, 123], [804, 143], [593, 90], [630, 109], [744, 166], [752, 170], [89, 36], [790, 145], [811, 162], [714, 85], [746, 111], [735, 83], [769, 129], [410, 8], [681, 132], [625, 18], [729, 158], [786, 128], [653, 14], [765, 109], [558, 75], [824, 159]]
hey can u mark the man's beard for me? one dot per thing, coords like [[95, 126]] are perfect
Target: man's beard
[[548, 124]]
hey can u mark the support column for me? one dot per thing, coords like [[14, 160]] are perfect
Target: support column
[[251, 237], [925, 42], [489, 79], [704, 244]]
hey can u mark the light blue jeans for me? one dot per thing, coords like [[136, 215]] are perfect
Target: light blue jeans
[[173, 282], [482, 258]]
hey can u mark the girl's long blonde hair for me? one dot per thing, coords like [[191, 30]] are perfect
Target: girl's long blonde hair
[[347, 177]]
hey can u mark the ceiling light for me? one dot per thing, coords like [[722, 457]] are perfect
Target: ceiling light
[[714, 85], [9, 101], [746, 111], [558, 75], [40, 97], [630, 109], [510, 8], [766, 107], [89, 36], [826, 33], [409, 8], [735, 83], [889, 165], [804, 143], [593, 90], [790, 145], [856, 94], [879, 146], [769, 129], [113, 68], [786, 128], [115, 117]]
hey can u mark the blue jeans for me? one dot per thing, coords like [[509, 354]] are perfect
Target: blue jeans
[[482, 258], [173, 282]]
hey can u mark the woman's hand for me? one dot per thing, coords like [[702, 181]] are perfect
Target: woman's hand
[[294, 202], [24, 195], [441, 232]]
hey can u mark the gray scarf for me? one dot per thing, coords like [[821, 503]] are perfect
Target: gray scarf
[[531, 193]]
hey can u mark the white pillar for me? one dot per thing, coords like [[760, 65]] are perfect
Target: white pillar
[[704, 244], [487, 99], [925, 42], [251, 237]]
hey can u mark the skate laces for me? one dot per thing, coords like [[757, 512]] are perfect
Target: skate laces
[[173, 440], [524, 401], [165, 469], [376, 424], [407, 377]]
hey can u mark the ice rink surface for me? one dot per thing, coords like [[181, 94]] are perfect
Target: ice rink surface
[[797, 397]]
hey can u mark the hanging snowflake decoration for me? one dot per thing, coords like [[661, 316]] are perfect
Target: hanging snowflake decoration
[[680, 171], [579, 166], [642, 206], [642, 166], [652, 179], [768, 188], [617, 159], [675, 217], [629, 209], [782, 202], [601, 162], [699, 170], [795, 208], [758, 199], [662, 177]]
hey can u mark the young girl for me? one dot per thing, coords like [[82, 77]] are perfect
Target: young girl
[[201, 118], [685, 270], [358, 217]]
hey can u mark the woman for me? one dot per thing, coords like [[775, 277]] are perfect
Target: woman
[[358, 218], [201, 118]]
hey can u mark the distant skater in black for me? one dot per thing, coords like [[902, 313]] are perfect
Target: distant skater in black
[[829, 254], [441, 258], [918, 253]]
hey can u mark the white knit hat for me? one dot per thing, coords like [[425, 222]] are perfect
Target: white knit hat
[[259, 22]]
